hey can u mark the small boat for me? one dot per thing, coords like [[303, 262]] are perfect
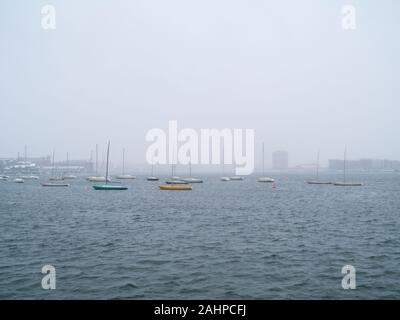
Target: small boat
[[69, 177], [317, 181], [347, 184], [30, 177], [18, 180], [236, 178], [97, 179], [344, 183], [263, 178], [55, 184], [56, 178], [107, 186], [176, 188], [176, 182], [53, 177], [110, 187], [4, 178], [192, 180], [152, 177], [124, 176], [225, 179]]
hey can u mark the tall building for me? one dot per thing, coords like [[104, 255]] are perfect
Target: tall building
[[280, 160]]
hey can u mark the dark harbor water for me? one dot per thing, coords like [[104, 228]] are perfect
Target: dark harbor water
[[228, 240]]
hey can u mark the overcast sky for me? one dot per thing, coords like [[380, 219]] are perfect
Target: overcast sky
[[115, 69]]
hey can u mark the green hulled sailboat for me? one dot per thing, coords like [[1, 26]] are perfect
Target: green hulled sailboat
[[107, 186]]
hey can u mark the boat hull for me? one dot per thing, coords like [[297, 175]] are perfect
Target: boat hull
[[55, 184], [192, 180], [176, 182], [266, 179], [176, 188], [319, 182], [345, 184], [125, 177], [152, 179], [107, 187]]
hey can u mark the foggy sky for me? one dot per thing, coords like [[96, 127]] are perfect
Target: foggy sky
[[115, 69]]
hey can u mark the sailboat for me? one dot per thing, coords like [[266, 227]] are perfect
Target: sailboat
[[223, 178], [317, 181], [344, 183], [152, 177], [174, 179], [123, 175], [28, 177], [54, 178], [263, 178], [191, 179], [68, 176], [107, 186], [96, 177]]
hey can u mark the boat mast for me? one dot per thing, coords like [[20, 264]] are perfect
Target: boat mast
[[223, 157], [318, 165], [26, 154], [152, 165], [53, 166], [263, 159], [123, 161], [344, 165], [97, 157], [108, 153], [67, 163]]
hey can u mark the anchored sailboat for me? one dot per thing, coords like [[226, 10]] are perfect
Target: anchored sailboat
[[344, 183], [123, 175], [174, 179], [55, 178], [223, 178], [107, 186], [96, 177], [317, 181], [68, 175], [191, 179], [152, 177], [263, 178]]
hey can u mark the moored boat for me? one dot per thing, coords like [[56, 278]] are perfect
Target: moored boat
[[49, 184], [110, 187], [107, 186], [176, 188], [176, 182]]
